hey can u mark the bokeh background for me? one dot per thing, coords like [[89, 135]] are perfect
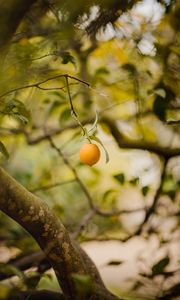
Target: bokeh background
[[128, 53]]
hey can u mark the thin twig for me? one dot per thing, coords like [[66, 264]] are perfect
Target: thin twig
[[151, 209], [92, 206], [50, 186], [44, 81], [55, 88], [84, 222], [70, 99]]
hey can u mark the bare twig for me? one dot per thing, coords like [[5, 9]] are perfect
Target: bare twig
[[37, 84], [148, 213], [54, 88], [50, 186], [92, 206], [83, 224], [118, 136], [70, 99], [152, 208]]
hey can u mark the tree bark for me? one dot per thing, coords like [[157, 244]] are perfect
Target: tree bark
[[65, 256]]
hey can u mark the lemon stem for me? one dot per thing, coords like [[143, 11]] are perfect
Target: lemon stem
[[70, 99], [73, 112]]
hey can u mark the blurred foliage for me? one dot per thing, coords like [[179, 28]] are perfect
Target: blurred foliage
[[129, 54]]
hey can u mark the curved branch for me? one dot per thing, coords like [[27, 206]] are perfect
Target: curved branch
[[65, 256], [152, 208], [139, 144], [38, 84]]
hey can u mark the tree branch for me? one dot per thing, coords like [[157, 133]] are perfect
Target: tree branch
[[50, 186], [38, 84], [153, 206], [24, 262], [37, 295], [139, 144], [65, 256], [92, 206]]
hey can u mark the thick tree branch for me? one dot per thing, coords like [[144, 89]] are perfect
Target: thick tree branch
[[63, 253], [35, 216]]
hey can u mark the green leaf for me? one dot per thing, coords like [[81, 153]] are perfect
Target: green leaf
[[53, 107], [168, 274], [83, 283], [129, 67], [94, 126], [101, 70], [115, 263], [58, 94], [84, 279], [137, 285], [16, 109], [95, 138], [120, 178], [134, 181], [47, 275], [67, 57], [158, 268], [145, 190], [160, 107], [22, 110], [170, 186], [20, 117], [11, 270], [59, 209], [32, 280], [46, 101], [65, 115], [3, 150], [108, 193], [160, 92]]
